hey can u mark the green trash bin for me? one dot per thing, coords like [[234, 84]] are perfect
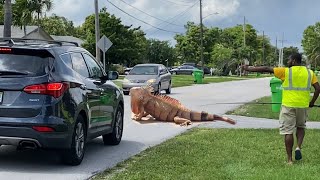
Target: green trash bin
[[198, 76], [276, 94]]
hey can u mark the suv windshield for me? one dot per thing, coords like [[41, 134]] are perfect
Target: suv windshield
[[144, 70], [12, 64]]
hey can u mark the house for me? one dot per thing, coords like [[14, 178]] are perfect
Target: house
[[33, 32]]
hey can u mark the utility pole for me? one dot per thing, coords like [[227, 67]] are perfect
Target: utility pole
[[244, 31], [244, 39], [263, 59], [281, 51], [276, 50], [201, 36], [97, 29]]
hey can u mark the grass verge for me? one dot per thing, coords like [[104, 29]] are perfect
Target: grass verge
[[264, 111], [188, 80], [221, 154]]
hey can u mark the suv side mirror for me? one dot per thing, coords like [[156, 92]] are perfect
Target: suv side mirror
[[112, 75]]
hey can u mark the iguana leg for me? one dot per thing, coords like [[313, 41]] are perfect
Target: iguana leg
[[182, 121], [139, 115], [148, 118]]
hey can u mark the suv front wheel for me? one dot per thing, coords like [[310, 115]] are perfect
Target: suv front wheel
[[75, 154], [114, 138]]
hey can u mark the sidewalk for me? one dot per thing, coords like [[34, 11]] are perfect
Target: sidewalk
[[253, 123]]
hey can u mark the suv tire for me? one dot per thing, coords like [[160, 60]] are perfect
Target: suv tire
[[75, 154], [114, 138]]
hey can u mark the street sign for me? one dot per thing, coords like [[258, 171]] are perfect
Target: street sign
[[104, 43]]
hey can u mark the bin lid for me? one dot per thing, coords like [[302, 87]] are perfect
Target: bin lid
[[275, 80]]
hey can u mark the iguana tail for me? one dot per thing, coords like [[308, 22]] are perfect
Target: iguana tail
[[204, 116]]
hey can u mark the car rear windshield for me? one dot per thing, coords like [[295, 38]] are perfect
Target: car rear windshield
[[144, 70], [27, 63]]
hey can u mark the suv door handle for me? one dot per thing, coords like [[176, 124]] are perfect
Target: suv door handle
[[83, 87]]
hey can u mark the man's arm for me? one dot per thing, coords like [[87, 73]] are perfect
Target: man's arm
[[258, 69], [315, 94]]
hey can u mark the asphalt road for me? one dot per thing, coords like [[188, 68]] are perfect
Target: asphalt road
[[38, 164]]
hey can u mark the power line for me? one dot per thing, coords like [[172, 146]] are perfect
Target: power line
[[141, 20], [180, 14], [178, 3], [150, 14]]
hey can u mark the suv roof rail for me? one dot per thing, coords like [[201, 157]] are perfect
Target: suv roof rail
[[13, 41]]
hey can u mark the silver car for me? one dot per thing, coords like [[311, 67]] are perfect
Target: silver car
[[143, 74]]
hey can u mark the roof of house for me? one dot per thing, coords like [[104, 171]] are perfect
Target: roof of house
[[17, 32], [68, 38]]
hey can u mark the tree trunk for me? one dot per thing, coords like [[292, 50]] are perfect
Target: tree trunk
[[7, 18]]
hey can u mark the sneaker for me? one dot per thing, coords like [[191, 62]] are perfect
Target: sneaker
[[298, 154]]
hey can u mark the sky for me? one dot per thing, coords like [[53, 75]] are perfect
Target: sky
[[162, 19]]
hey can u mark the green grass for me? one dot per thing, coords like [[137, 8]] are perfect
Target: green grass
[[264, 111], [188, 80], [221, 154]]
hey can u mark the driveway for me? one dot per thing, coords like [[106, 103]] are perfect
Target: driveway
[[37, 164]]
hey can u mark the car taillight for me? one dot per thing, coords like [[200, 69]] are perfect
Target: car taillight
[[43, 129], [52, 89]]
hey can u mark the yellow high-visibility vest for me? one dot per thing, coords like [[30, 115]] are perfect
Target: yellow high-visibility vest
[[297, 87]]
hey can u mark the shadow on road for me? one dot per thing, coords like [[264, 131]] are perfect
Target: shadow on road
[[42, 162]]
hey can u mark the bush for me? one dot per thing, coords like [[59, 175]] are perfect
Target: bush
[[117, 67]]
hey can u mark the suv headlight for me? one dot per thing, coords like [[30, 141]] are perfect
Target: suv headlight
[[151, 81]]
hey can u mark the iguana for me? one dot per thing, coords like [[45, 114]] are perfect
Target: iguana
[[165, 108]]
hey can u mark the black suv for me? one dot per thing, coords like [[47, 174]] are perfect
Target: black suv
[[55, 95]]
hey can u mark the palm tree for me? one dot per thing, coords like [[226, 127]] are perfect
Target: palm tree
[[22, 13], [7, 18], [38, 6]]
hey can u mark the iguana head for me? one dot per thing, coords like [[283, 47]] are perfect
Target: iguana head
[[142, 94]]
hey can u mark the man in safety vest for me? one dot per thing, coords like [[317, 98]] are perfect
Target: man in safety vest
[[296, 83]]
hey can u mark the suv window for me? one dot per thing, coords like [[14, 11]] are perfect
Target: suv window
[[66, 58], [79, 65], [29, 64], [95, 70]]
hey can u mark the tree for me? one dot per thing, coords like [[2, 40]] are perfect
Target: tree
[[58, 25], [188, 45], [7, 18], [129, 44], [38, 6], [160, 52], [22, 14], [310, 43]]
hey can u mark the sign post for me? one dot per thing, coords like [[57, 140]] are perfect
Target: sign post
[[104, 44]]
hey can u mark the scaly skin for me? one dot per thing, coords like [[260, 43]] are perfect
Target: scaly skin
[[165, 108]]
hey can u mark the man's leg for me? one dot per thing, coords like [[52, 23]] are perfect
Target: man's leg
[[289, 145], [287, 121], [300, 135], [301, 124]]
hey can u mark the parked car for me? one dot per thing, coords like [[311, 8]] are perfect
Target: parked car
[[186, 69], [206, 70], [142, 74], [55, 95], [127, 70]]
